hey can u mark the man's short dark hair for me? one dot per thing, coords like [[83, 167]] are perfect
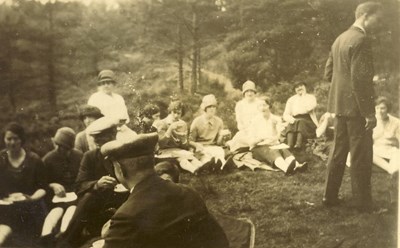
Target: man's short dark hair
[[383, 100], [368, 8], [166, 167], [140, 163]]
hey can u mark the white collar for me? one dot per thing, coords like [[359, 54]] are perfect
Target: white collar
[[359, 26]]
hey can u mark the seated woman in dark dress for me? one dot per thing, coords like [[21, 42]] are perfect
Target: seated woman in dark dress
[[22, 189], [62, 165]]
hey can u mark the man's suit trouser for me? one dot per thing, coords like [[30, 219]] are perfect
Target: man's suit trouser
[[350, 135]]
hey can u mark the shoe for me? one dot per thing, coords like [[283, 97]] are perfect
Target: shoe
[[301, 167], [47, 241], [331, 203], [229, 165], [290, 169], [206, 168], [217, 166], [297, 146]]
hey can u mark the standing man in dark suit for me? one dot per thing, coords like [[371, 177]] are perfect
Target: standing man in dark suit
[[351, 99], [158, 213]]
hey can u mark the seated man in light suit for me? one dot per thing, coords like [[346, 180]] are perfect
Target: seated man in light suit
[[158, 213]]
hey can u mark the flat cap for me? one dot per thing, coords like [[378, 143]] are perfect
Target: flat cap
[[101, 124], [136, 146]]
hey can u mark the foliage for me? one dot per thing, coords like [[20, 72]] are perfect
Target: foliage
[[53, 52]]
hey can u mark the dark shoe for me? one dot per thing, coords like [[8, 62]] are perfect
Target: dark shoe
[[331, 203], [47, 241], [297, 146], [301, 167], [206, 168], [218, 166], [229, 165], [290, 168]]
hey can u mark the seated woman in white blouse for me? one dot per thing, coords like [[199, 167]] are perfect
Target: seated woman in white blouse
[[263, 139], [386, 136], [299, 113], [245, 110]]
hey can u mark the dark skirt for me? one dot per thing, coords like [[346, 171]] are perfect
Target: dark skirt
[[304, 125], [24, 218]]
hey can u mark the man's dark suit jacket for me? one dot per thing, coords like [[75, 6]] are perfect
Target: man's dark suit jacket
[[350, 69], [93, 167], [161, 214]]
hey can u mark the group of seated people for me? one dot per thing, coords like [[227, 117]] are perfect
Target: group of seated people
[[67, 198], [88, 176]]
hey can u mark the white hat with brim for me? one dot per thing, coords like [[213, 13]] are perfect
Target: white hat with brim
[[248, 85], [101, 124], [208, 100]]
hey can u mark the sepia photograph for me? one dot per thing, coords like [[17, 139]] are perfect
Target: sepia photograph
[[199, 123]]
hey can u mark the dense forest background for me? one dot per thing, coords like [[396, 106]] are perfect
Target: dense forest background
[[52, 51]]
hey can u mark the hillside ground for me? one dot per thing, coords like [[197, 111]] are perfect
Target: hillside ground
[[287, 210]]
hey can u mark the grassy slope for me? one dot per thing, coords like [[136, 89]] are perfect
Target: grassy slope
[[287, 211]]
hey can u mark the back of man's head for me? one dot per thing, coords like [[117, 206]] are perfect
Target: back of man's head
[[135, 154], [367, 8], [135, 165]]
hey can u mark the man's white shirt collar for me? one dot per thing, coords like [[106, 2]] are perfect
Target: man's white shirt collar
[[358, 26]]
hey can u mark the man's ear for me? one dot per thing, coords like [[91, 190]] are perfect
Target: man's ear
[[118, 169]]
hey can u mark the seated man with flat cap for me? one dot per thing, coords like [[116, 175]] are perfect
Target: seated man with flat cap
[[95, 187], [158, 213]]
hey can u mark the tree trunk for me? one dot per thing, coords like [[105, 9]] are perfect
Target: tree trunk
[[395, 36], [241, 24], [199, 65], [6, 67], [180, 53], [11, 93], [52, 98], [95, 62], [193, 87], [6, 61]]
